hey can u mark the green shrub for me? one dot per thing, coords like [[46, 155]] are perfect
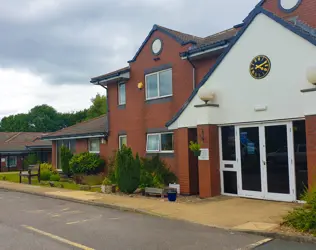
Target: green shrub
[[46, 166], [111, 168], [86, 163], [54, 177], [156, 173], [127, 170], [304, 218], [31, 159], [45, 175], [65, 157]]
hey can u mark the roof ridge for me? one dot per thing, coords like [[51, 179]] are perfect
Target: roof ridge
[[178, 31], [79, 123], [13, 137], [220, 32]]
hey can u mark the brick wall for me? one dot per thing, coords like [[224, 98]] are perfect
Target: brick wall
[[209, 171], [138, 116], [82, 146], [54, 152], [306, 12], [311, 149]]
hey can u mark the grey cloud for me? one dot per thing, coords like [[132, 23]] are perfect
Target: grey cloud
[[69, 41]]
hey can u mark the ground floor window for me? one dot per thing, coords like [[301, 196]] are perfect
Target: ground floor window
[[160, 142], [12, 161], [94, 145], [122, 141]]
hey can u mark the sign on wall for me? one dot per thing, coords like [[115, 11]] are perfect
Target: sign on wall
[[2, 159], [204, 154]]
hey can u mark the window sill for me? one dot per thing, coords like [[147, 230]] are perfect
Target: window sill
[[159, 100], [121, 106], [161, 154]]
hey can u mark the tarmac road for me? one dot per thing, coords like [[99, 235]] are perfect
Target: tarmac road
[[34, 222]]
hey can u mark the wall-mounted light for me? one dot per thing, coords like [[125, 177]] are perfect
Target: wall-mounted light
[[311, 75], [206, 95], [140, 85]]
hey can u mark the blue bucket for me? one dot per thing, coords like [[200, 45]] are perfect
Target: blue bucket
[[172, 196]]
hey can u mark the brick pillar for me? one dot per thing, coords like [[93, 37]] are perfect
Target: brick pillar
[[209, 175], [182, 159], [54, 154], [311, 149]]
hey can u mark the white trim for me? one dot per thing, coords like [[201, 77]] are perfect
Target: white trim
[[72, 138], [122, 136], [159, 145], [158, 85], [204, 52]]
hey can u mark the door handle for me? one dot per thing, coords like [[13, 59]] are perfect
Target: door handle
[[264, 162]]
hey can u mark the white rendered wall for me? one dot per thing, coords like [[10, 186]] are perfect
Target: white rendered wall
[[238, 94]]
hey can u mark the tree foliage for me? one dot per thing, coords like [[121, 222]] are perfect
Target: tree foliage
[[44, 118]]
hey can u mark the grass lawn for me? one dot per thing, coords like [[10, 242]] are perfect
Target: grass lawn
[[14, 177]]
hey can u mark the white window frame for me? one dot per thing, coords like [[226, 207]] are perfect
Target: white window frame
[[16, 161], [94, 139], [158, 84], [122, 136], [159, 150], [119, 93]]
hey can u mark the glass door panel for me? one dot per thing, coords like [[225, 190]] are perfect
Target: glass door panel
[[250, 159], [277, 155]]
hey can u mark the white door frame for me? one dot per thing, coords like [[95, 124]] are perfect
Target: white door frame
[[264, 194]]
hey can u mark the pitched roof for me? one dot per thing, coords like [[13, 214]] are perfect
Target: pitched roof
[[183, 37], [258, 10], [110, 74], [93, 127], [19, 141]]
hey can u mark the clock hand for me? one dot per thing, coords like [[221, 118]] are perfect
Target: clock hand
[[262, 64]]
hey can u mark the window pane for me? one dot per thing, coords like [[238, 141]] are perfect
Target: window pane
[[94, 145], [122, 94], [72, 145], [12, 161], [153, 142], [228, 143], [151, 86], [167, 142], [123, 141], [165, 83]]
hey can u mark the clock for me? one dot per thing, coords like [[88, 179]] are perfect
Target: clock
[[260, 67], [156, 47]]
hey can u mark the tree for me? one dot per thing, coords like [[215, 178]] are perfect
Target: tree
[[98, 107], [44, 118]]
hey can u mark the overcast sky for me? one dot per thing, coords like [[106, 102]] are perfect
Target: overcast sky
[[49, 49]]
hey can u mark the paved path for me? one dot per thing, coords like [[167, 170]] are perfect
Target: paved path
[[222, 212], [33, 222]]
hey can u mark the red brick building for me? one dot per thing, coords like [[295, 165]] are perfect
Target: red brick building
[[87, 136], [154, 106], [15, 146]]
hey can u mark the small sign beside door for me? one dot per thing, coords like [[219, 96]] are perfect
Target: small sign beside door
[[204, 154], [2, 159]]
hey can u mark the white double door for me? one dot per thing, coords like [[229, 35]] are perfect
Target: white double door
[[266, 161]]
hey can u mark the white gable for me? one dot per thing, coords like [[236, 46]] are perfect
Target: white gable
[[239, 94]]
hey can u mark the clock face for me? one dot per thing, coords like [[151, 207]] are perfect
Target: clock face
[[260, 67], [156, 47]]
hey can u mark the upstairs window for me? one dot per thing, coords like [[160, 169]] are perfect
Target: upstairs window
[[121, 94], [159, 84], [161, 142]]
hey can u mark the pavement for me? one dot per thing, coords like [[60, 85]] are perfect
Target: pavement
[[36, 222], [231, 213]]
